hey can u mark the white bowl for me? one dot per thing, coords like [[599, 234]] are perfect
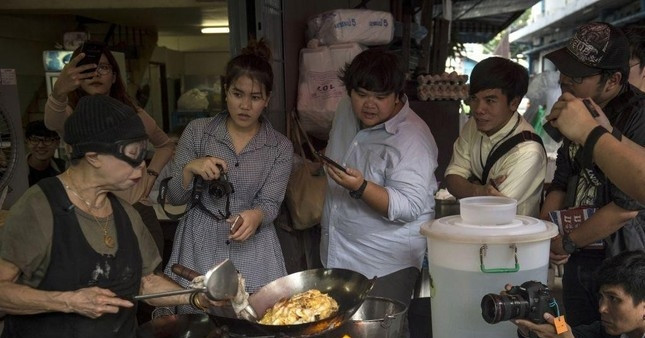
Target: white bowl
[[487, 210]]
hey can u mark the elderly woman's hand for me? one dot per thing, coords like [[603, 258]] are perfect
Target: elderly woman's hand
[[94, 302], [71, 77]]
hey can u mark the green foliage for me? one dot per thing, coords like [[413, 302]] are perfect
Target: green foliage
[[517, 24]]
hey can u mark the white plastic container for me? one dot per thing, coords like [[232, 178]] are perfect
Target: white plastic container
[[468, 261], [487, 210]]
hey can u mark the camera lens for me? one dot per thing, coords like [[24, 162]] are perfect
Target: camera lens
[[217, 189], [497, 308]]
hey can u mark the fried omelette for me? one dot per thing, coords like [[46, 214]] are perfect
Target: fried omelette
[[305, 307]]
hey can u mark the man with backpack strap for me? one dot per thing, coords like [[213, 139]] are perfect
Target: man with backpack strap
[[498, 152]]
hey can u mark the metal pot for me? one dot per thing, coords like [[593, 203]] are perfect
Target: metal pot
[[443, 208], [377, 317], [348, 288]]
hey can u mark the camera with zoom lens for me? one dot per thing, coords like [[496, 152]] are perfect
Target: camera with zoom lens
[[530, 301]]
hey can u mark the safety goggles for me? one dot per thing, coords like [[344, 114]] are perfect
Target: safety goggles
[[133, 152]]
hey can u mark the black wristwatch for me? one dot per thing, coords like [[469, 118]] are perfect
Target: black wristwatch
[[358, 193], [568, 245]]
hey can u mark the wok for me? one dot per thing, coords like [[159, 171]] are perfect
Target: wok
[[348, 288]]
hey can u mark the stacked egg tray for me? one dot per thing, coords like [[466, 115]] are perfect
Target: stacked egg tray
[[442, 87]]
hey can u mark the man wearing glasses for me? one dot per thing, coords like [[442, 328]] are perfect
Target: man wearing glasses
[[594, 65], [636, 36], [42, 144]]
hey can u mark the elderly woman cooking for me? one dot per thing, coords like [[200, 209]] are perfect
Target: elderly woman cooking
[[71, 252]]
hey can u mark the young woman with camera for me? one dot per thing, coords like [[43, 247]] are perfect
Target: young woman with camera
[[235, 222]]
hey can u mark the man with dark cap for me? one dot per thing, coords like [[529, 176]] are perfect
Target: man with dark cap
[[594, 65], [498, 152], [42, 144]]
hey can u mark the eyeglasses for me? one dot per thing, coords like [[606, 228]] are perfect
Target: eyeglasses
[[580, 79], [34, 140], [104, 69], [636, 64]]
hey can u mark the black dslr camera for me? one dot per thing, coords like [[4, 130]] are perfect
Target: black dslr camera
[[528, 301], [217, 188]]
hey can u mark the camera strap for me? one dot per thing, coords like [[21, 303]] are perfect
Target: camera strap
[[196, 200]]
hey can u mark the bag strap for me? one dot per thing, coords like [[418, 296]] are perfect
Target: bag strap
[[161, 199], [302, 131], [507, 145]]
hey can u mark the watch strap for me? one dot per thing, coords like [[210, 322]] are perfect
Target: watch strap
[[568, 245], [358, 193]]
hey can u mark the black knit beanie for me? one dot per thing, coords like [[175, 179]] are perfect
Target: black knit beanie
[[102, 119]]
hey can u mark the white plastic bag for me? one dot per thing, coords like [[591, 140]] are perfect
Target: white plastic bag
[[363, 26], [319, 88], [193, 99]]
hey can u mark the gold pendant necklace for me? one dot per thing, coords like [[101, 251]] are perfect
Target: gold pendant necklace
[[107, 239]]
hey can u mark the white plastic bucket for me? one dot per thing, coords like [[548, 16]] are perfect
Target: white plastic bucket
[[468, 261]]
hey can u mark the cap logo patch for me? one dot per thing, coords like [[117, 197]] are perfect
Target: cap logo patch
[[589, 44]]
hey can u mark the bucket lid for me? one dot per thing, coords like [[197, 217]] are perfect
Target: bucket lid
[[523, 229]]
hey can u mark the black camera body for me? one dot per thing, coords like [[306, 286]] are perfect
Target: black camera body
[[221, 187], [217, 188], [529, 301]]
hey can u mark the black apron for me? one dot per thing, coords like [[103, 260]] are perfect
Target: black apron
[[75, 265]]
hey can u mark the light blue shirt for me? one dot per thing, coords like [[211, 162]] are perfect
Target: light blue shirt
[[399, 155]]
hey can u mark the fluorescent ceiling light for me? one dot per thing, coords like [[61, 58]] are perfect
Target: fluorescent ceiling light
[[214, 30]]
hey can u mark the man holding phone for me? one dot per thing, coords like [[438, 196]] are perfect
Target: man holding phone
[[374, 208]]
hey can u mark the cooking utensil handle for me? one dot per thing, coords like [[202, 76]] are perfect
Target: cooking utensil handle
[[184, 272], [166, 294]]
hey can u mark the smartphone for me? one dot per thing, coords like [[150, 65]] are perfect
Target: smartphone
[[93, 51], [331, 162], [235, 225]]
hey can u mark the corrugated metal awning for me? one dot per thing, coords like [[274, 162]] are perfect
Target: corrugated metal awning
[[479, 21]]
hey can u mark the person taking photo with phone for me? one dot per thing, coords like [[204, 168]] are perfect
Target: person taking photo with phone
[[104, 78]]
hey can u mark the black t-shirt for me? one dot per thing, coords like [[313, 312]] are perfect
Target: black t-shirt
[[36, 175], [626, 112]]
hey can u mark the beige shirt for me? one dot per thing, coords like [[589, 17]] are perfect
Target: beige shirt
[[524, 166], [56, 112], [26, 237]]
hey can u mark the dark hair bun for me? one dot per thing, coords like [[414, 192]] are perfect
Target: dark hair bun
[[258, 48]]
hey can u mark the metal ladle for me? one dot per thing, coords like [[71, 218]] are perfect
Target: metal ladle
[[220, 282]]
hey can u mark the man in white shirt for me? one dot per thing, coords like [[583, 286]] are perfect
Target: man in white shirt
[[497, 86], [373, 210]]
